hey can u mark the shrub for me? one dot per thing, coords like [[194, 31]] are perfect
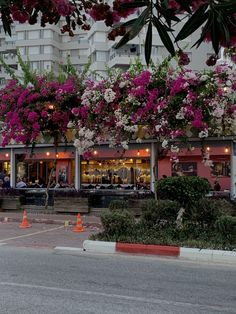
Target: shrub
[[186, 190], [208, 210], [117, 223], [118, 205], [226, 226], [153, 211]]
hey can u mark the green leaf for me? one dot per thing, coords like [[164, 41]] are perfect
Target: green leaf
[[135, 4], [165, 38], [225, 31], [136, 28], [6, 23], [128, 23], [215, 33], [194, 22], [205, 30], [148, 43], [168, 14]]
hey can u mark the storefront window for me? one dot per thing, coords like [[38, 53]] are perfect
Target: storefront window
[[221, 168], [35, 171], [131, 172], [184, 169]]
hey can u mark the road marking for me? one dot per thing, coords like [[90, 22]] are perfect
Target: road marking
[[122, 297], [31, 234], [68, 248]]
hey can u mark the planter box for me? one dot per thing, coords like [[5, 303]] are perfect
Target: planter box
[[10, 203], [71, 204]]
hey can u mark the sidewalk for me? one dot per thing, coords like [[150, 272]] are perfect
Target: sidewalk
[[59, 219]]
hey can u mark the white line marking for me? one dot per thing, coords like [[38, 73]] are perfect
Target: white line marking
[[31, 234], [121, 297], [67, 248]]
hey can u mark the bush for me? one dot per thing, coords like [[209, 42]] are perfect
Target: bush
[[226, 226], [185, 190], [117, 223], [208, 210], [153, 211], [118, 205]]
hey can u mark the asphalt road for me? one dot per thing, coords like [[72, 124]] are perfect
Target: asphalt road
[[45, 281]]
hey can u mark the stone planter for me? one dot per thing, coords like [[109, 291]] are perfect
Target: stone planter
[[10, 203], [71, 204]]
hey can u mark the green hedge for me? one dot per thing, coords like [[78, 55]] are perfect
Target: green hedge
[[185, 190]]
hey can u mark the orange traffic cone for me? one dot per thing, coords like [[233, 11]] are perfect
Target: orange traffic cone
[[25, 222], [79, 226]]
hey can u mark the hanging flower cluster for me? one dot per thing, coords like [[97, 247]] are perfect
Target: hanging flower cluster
[[38, 111], [158, 103]]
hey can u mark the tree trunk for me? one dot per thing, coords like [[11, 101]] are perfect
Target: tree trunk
[[179, 219], [49, 184]]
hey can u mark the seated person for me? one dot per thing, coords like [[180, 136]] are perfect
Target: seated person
[[6, 182], [20, 183], [217, 186]]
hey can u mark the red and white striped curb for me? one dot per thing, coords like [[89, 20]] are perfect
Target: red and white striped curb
[[217, 256]]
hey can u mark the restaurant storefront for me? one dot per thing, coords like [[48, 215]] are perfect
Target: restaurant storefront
[[116, 169]]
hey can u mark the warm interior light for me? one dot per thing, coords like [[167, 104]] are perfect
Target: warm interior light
[[208, 148], [225, 89], [95, 152], [7, 155], [100, 163], [41, 162], [51, 107], [147, 150], [138, 153], [226, 149], [57, 155], [47, 153]]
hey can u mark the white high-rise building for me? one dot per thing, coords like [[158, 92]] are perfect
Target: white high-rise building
[[47, 47]]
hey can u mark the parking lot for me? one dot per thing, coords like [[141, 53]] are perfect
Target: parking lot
[[43, 235]]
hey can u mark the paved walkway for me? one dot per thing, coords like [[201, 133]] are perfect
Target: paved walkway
[[60, 219]]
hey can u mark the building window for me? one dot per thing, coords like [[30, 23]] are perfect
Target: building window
[[33, 34], [22, 50], [221, 168], [47, 49], [20, 35], [47, 65], [47, 33], [37, 171], [35, 65], [184, 169], [34, 50], [105, 171], [101, 56]]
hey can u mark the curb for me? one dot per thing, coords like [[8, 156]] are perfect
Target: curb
[[192, 254]]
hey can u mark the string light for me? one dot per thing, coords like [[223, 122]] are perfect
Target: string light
[[226, 149]]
